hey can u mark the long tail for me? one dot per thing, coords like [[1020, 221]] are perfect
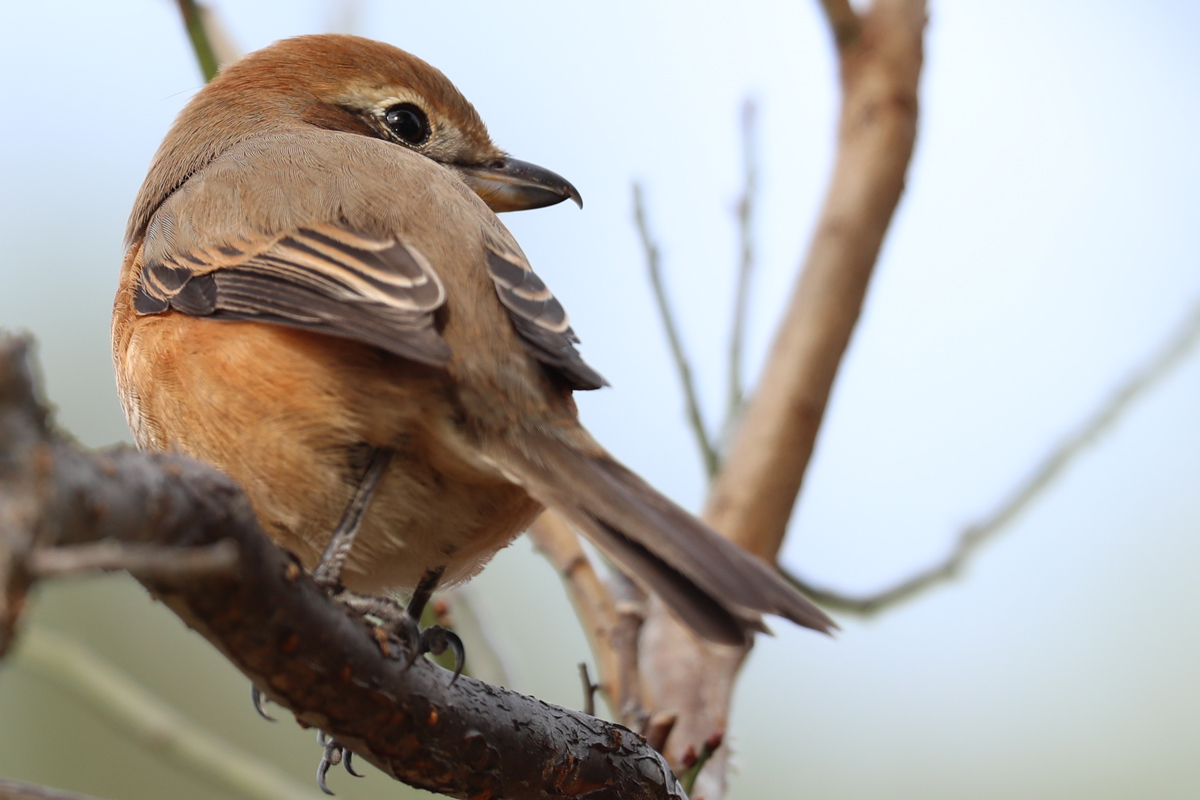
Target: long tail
[[713, 585]]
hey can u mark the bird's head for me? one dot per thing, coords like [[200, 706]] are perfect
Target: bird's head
[[353, 85]]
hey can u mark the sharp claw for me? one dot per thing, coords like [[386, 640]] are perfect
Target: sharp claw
[[460, 654], [332, 755], [346, 756], [437, 640], [322, 770], [259, 701]]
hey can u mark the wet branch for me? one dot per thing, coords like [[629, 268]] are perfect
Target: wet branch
[[269, 619]]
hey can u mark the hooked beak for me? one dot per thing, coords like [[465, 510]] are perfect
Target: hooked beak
[[514, 185]]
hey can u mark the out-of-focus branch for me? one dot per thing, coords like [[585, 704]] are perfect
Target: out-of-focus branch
[[1157, 366], [844, 23], [197, 31], [16, 790], [752, 497], [303, 651], [708, 451], [610, 626], [155, 563], [488, 658], [744, 212], [149, 721]]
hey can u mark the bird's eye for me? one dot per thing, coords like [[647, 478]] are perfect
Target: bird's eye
[[408, 122]]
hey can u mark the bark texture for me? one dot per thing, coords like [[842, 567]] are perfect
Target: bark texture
[[308, 654]]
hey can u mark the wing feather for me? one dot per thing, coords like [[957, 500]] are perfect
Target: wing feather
[[539, 319], [322, 278]]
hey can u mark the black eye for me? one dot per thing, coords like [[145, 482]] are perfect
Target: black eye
[[408, 122]]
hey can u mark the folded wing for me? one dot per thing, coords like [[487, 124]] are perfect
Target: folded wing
[[322, 278]]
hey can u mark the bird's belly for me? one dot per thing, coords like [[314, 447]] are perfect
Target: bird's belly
[[293, 417]]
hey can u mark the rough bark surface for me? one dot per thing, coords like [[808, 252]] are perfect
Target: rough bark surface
[[308, 654]]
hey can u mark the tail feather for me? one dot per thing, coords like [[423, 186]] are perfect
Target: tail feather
[[713, 585]]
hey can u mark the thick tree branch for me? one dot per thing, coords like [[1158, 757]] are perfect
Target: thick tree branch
[[305, 652], [751, 499]]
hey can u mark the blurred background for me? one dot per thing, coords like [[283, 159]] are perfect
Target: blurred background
[[1040, 253]]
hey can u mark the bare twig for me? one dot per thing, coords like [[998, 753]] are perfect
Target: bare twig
[[1157, 366], [193, 21], [694, 762], [659, 727], [708, 451], [592, 600], [16, 790], [744, 212], [589, 690], [153, 562], [751, 499], [121, 702]]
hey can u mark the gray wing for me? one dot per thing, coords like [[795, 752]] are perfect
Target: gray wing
[[321, 278], [538, 317]]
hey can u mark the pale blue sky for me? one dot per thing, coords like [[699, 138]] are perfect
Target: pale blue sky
[[1041, 250]]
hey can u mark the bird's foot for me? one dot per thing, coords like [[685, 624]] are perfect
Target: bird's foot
[[333, 755], [397, 623]]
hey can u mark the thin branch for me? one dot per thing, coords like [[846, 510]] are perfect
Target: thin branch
[[744, 212], [708, 451], [488, 657], [1169, 355], [17, 790], [149, 561], [305, 652], [752, 498], [193, 21], [589, 690], [594, 603], [152, 723], [695, 762]]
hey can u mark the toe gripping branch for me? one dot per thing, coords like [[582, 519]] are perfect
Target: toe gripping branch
[[397, 623], [282, 631]]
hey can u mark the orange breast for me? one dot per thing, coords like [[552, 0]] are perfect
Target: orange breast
[[292, 415]]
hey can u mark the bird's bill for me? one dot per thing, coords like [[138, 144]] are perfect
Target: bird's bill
[[518, 186]]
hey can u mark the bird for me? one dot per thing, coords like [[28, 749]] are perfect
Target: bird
[[318, 298]]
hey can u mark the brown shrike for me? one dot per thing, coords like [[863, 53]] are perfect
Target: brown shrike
[[318, 299]]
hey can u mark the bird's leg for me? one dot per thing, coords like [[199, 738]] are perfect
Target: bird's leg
[[406, 622], [328, 573], [329, 570]]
